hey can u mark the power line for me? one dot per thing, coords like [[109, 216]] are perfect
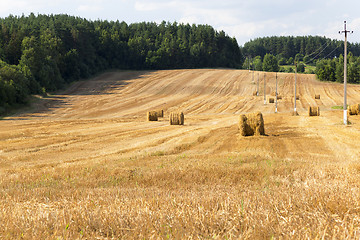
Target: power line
[[317, 54], [345, 70], [327, 44]]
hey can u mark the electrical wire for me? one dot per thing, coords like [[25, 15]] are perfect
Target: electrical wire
[[319, 53], [327, 44]]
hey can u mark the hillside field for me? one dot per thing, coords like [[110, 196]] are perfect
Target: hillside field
[[85, 163]]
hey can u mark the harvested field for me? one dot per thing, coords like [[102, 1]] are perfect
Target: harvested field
[[85, 163]]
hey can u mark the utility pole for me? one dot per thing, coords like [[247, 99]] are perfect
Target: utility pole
[[258, 84], [345, 72], [276, 93], [295, 88], [264, 89], [253, 76]]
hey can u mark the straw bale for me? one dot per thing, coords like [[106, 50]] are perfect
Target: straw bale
[[271, 100], [251, 124], [176, 118], [279, 97], [255, 93], [152, 116], [297, 97], [314, 111], [317, 96], [354, 109], [160, 113]]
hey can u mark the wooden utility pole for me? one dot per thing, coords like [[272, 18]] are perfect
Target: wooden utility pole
[[295, 89], [276, 93], [345, 72], [253, 77], [258, 84], [264, 90]]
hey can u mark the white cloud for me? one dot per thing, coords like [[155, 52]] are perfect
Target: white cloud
[[89, 8], [146, 6]]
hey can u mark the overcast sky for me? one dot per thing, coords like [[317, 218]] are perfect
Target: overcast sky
[[242, 19]]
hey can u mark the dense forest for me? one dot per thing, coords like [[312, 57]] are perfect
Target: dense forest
[[41, 53], [311, 47]]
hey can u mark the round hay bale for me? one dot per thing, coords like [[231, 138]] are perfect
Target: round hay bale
[[317, 96], [354, 109], [176, 118], [255, 93], [152, 116], [314, 111], [279, 97], [251, 124], [160, 113], [297, 97], [271, 100], [242, 125]]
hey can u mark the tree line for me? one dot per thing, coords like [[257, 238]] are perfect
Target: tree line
[[40, 53], [311, 48], [333, 69], [322, 53]]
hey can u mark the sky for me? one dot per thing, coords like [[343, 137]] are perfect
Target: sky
[[242, 19]]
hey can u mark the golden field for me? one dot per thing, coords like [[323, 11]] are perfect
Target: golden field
[[85, 163]]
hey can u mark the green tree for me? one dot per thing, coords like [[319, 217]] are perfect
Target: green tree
[[300, 67], [258, 65], [270, 63]]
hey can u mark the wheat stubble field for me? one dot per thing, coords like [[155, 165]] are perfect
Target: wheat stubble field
[[85, 163]]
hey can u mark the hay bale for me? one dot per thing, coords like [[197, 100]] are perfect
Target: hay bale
[[317, 96], [314, 111], [251, 124], [279, 97], [297, 97], [152, 116], [160, 113], [255, 93], [176, 118], [271, 100], [354, 109]]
